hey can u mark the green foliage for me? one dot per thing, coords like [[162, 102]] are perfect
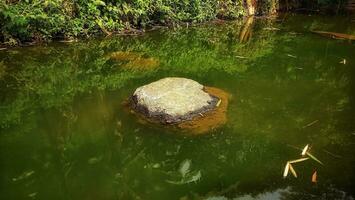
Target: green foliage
[[33, 20]]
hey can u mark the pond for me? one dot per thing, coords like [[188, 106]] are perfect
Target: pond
[[66, 133]]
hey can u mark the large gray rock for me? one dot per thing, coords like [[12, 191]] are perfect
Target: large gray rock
[[172, 100]]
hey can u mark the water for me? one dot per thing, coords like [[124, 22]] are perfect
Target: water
[[65, 133]]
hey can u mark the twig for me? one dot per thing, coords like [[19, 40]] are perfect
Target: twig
[[310, 124], [332, 154]]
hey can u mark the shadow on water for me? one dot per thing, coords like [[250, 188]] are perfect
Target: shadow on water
[[65, 134]]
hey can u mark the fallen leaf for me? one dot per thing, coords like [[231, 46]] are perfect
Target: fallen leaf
[[242, 57], [293, 171], [287, 167], [185, 167], [298, 160], [218, 103], [314, 177], [304, 150], [292, 56]]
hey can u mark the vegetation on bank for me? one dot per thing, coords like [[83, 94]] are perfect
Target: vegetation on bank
[[44, 20], [29, 20]]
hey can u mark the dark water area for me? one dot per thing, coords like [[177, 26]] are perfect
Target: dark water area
[[65, 133]]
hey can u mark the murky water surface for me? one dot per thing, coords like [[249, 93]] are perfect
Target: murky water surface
[[65, 133]]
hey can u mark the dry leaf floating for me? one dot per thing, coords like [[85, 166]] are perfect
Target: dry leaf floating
[[304, 150], [293, 171], [314, 177], [287, 167]]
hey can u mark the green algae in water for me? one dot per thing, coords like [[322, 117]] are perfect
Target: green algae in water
[[61, 115]]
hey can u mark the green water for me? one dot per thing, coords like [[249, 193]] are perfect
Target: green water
[[65, 133]]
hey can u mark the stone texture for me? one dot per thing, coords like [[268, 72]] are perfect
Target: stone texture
[[172, 100]]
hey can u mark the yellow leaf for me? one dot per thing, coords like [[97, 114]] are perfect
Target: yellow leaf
[[293, 171], [287, 167], [218, 103], [298, 160], [304, 150]]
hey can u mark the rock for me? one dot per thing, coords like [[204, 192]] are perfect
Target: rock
[[173, 100]]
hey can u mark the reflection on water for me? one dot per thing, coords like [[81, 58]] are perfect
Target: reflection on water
[[246, 30], [65, 133]]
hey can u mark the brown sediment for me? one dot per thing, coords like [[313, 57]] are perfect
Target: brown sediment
[[212, 119], [124, 55], [134, 60], [335, 35]]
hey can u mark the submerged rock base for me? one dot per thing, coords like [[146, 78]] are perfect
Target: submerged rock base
[[181, 102], [172, 100], [210, 120]]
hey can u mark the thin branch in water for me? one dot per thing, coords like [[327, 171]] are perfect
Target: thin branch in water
[[332, 154], [311, 124]]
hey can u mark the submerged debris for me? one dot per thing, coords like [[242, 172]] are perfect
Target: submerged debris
[[32, 195], [134, 60], [124, 55], [242, 57], [186, 175], [292, 56], [142, 63], [185, 167], [271, 29], [335, 35], [311, 124], [24, 175], [343, 61]]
